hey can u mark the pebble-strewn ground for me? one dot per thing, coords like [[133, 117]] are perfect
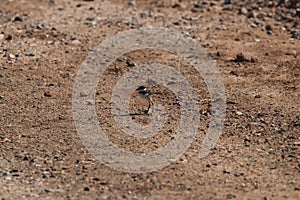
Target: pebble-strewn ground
[[256, 46]]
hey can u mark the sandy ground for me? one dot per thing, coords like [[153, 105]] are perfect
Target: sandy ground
[[43, 44]]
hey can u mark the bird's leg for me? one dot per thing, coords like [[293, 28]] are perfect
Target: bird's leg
[[150, 103]]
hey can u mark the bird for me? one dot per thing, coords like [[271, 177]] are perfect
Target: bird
[[144, 93]]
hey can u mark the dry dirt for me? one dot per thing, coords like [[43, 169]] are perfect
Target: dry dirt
[[43, 44]]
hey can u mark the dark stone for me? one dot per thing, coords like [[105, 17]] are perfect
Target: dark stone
[[226, 2], [17, 19], [230, 196], [240, 58]]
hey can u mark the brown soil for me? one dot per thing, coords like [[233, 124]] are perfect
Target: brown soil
[[43, 44]]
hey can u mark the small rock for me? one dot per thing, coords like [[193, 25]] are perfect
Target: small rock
[[219, 54], [243, 11], [257, 40], [269, 29], [29, 52], [76, 42], [239, 113], [298, 12], [14, 171], [47, 94], [228, 7], [226, 2], [130, 63], [211, 36], [1, 36], [296, 34], [86, 189], [176, 5], [103, 183], [240, 58], [132, 3], [281, 131], [247, 141], [8, 38], [251, 14], [230, 196], [40, 26], [238, 174], [257, 96], [65, 75], [17, 19], [24, 69], [233, 73], [12, 56], [261, 16], [89, 102], [294, 52], [143, 15], [1, 76], [90, 21], [5, 174], [253, 25], [262, 4], [1, 97]]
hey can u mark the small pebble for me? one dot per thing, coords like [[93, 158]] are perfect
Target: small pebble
[[29, 52], [240, 58], [269, 29], [83, 94], [76, 42], [257, 96], [12, 56], [132, 3], [239, 113], [295, 34], [90, 21], [47, 94], [130, 63], [230, 196], [244, 11], [17, 19], [143, 15], [8, 38], [226, 2], [252, 14]]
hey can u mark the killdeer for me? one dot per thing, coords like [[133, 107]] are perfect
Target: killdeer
[[145, 94]]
